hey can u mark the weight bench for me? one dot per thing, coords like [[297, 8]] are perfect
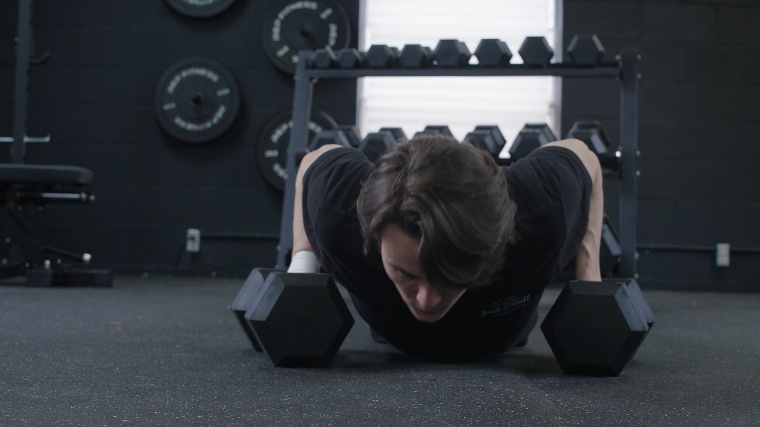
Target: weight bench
[[25, 185]]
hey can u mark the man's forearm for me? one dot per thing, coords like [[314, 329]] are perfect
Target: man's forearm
[[587, 259], [300, 240]]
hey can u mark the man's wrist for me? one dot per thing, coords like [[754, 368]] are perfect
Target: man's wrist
[[304, 262]]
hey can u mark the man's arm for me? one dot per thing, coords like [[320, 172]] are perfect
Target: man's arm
[[306, 261], [587, 258]]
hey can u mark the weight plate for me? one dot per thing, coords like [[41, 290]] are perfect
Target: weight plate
[[273, 145], [200, 8], [292, 26], [197, 99]]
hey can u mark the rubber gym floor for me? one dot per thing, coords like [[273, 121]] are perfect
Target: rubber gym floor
[[167, 351]]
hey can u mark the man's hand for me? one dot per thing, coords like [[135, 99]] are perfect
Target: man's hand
[[587, 259]]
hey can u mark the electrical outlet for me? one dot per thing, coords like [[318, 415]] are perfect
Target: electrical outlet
[[193, 240], [722, 255]]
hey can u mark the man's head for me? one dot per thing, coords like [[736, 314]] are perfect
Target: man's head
[[451, 201]]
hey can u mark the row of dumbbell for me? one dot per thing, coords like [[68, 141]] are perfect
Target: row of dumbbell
[[485, 137], [583, 50]]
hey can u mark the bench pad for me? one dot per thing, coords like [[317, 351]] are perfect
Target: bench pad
[[44, 175]]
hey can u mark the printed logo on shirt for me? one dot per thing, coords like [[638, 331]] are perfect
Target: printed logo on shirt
[[505, 305]]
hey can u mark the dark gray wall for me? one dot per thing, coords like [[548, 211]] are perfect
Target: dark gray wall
[[95, 96], [698, 131]]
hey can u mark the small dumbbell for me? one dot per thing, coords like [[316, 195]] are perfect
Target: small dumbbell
[[531, 137], [536, 52]]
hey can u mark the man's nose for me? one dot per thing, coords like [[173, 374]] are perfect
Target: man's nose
[[427, 297]]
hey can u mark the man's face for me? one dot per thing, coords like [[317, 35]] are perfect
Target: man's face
[[402, 264]]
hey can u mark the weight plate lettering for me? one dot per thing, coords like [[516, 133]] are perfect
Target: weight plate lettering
[[274, 141], [292, 26], [197, 100], [200, 8]]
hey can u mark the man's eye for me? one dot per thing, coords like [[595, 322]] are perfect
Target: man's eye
[[403, 276]]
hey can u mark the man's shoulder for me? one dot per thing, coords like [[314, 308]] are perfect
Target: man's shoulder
[[337, 164]]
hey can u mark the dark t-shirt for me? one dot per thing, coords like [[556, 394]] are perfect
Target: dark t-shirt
[[551, 189]]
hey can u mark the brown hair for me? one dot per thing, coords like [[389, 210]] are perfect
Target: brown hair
[[452, 197]]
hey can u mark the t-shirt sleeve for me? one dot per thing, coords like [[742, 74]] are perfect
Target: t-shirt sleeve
[[331, 187], [551, 188]]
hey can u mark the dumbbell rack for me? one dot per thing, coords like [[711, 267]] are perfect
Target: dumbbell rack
[[626, 70]]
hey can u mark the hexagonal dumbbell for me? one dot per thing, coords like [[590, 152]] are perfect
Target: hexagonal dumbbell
[[594, 328], [439, 129], [332, 136], [323, 58], [493, 53], [245, 298], [486, 137], [536, 52], [585, 50], [451, 53], [348, 58], [381, 56], [299, 319], [637, 297], [531, 137], [351, 134], [592, 133], [416, 56], [375, 144], [398, 133]]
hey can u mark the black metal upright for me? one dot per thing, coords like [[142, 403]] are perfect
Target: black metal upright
[[629, 154], [302, 96], [626, 70], [23, 54]]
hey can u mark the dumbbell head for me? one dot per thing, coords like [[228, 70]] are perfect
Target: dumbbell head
[[495, 132], [487, 138], [398, 133], [245, 298], [381, 56], [594, 328], [375, 144], [493, 53], [351, 134], [637, 297], [638, 301], [592, 134], [299, 319], [482, 140], [536, 52], [333, 136], [415, 56], [451, 53], [531, 137], [323, 58], [348, 58], [585, 50], [439, 129]]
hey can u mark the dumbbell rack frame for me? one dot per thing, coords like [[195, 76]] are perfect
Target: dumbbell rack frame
[[626, 70]]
